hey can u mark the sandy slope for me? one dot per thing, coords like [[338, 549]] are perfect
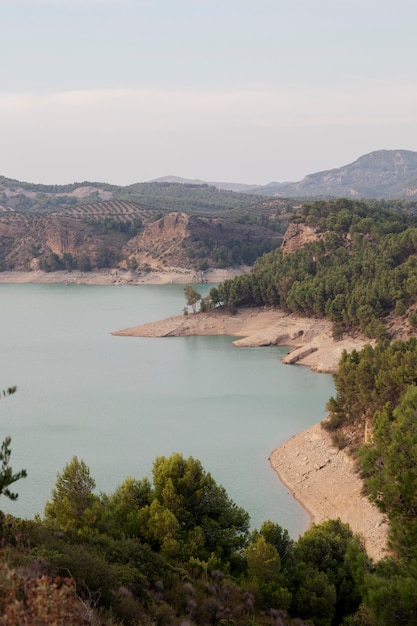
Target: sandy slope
[[323, 479]]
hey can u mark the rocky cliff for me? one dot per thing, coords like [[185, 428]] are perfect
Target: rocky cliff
[[127, 235], [297, 234]]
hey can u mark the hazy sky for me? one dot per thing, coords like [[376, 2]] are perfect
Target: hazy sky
[[124, 91]]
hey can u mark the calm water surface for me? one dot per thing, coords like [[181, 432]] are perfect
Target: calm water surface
[[118, 402]]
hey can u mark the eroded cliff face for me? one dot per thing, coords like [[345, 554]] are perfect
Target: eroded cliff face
[[106, 233], [298, 234], [160, 245], [179, 240]]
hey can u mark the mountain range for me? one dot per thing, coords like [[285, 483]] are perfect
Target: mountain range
[[383, 174], [177, 222]]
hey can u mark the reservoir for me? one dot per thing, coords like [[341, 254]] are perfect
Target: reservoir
[[118, 402]]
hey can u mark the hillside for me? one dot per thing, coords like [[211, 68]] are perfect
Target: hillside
[[350, 261], [97, 225], [123, 234], [165, 196], [383, 174]]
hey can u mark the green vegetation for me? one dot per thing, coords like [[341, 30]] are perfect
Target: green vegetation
[[191, 296], [185, 197], [368, 381], [375, 414], [53, 262], [111, 223], [361, 267], [172, 551], [7, 476]]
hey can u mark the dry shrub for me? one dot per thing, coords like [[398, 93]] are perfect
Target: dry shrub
[[41, 601]]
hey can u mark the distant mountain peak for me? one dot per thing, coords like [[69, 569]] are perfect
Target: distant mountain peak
[[381, 174], [179, 180]]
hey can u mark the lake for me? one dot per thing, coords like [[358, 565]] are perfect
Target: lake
[[118, 402]]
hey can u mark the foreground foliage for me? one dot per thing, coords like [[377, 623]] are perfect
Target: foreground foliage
[[175, 550], [7, 475]]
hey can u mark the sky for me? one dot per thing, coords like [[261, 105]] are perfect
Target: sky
[[248, 91]]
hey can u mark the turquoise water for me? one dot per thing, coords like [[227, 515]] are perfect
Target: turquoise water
[[118, 402]]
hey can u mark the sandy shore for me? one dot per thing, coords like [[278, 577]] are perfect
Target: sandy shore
[[323, 479], [174, 276], [310, 340]]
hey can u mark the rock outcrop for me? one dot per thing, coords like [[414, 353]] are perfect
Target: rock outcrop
[[297, 234]]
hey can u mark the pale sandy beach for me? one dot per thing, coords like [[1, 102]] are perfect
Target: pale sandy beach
[[310, 339], [173, 276], [322, 478]]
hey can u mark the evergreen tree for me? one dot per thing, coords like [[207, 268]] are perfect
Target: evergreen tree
[[192, 296], [7, 476], [73, 506]]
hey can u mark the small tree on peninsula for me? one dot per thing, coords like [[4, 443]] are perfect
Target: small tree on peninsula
[[192, 296]]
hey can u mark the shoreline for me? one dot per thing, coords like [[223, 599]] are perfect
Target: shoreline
[[320, 477], [310, 340], [323, 479], [169, 276]]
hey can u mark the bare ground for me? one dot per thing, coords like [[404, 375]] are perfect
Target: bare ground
[[171, 276], [310, 340], [323, 479]]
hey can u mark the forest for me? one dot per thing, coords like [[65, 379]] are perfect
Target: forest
[[361, 268], [374, 415]]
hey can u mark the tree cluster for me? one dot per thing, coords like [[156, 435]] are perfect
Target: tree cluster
[[191, 198], [175, 550], [178, 550], [375, 409], [361, 267]]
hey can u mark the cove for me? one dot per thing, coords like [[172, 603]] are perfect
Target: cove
[[118, 402]]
